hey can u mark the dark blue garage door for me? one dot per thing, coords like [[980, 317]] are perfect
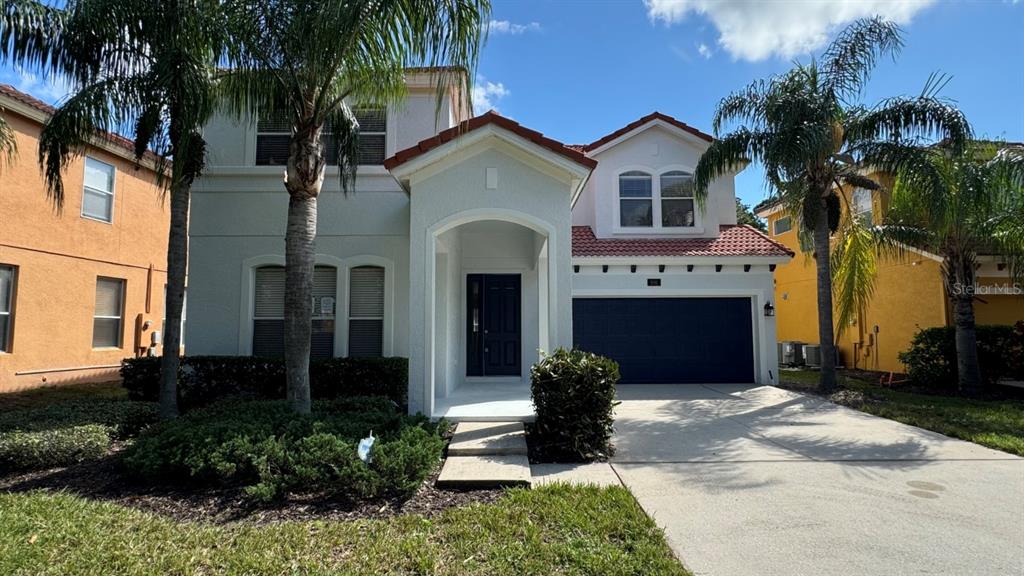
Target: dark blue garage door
[[669, 340]]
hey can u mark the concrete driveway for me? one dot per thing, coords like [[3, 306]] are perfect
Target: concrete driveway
[[762, 481]]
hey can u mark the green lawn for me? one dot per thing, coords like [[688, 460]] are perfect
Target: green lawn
[[48, 395], [997, 424], [546, 531]]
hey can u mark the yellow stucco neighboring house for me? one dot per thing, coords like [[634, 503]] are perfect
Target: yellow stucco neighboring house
[[909, 293]]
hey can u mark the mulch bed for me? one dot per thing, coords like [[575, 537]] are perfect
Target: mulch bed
[[103, 480]]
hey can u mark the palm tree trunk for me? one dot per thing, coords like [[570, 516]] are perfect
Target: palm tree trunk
[[177, 263], [826, 331], [304, 179], [967, 367]]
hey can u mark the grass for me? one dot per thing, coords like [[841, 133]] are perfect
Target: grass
[[49, 395], [555, 530], [997, 424]]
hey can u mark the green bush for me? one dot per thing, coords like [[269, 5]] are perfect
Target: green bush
[[20, 450], [206, 379], [931, 359], [271, 451], [574, 397], [69, 432]]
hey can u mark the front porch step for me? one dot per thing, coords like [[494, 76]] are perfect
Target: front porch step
[[488, 439], [486, 455], [496, 471]]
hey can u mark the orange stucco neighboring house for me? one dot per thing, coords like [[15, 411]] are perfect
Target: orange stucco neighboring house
[[83, 288], [909, 293]]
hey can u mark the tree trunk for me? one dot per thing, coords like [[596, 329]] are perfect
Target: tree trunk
[[303, 180], [967, 367], [826, 331], [177, 263]]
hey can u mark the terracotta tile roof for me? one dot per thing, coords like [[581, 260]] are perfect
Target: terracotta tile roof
[[638, 123], [32, 101], [485, 119], [733, 240]]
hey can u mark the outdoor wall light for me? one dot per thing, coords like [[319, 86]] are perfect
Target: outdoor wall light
[[769, 310]]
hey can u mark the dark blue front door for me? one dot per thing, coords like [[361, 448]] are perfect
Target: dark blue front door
[[493, 325], [669, 340]]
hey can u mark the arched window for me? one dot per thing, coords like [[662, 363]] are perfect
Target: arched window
[[366, 311], [268, 311], [677, 201], [636, 205]]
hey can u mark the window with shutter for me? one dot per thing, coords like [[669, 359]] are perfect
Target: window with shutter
[[366, 311], [273, 136], [107, 319], [268, 311], [7, 278]]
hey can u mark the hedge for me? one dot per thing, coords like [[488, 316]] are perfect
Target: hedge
[[931, 359], [574, 396], [205, 379], [270, 451]]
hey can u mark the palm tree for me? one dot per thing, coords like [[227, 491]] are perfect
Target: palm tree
[[956, 205], [148, 66], [307, 60], [811, 138]]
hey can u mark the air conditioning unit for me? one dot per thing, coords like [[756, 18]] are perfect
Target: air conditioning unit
[[812, 355], [793, 353]]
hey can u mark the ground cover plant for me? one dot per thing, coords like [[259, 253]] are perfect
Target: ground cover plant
[[273, 452]]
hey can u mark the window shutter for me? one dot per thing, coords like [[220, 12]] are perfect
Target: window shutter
[[269, 292], [372, 119], [108, 297], [366, 311], [106, 324], [325, 284]]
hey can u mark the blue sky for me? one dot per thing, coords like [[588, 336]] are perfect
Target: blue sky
[[577, 70]]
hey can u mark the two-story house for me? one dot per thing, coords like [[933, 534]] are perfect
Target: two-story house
[[909, 292], [82, 288], [472, 244]]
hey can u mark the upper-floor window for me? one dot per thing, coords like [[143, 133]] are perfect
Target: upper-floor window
[[7, 278], [366, 311], [98, 192], [636, 205], [677, 202], [782, 225], [862, 207], [107, 320], [273, 136], [670, 204]]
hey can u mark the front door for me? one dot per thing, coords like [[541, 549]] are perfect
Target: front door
[[493, 325]]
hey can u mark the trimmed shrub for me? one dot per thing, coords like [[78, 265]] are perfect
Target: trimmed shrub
[[931, 358], [271, 451], [68, 433], [574, 396], [206, 379], [37, 450]]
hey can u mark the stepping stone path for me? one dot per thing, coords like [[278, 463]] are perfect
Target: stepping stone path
[[486, 455]]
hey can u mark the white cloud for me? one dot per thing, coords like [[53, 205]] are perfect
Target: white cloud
[[486, 95], [754, 30], [704, 50], [506, 27], [50, 89]]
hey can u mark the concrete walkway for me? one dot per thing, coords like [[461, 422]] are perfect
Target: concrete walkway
[[762, 481]]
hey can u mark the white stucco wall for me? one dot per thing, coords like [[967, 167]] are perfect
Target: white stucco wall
[[457, 195], [703, 281], [654, 150]]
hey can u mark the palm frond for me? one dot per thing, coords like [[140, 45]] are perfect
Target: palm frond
[[849, 59], [8, 141], [725, 155], [746, 104], [854, 271], [916, 120], [31, 33]]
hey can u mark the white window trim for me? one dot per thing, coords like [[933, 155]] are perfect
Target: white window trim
[[112, 193], [120, 331], [342, 265], [775, 225], [656, 227], [5, 346]]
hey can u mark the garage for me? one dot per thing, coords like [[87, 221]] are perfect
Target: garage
[[669, 340]]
